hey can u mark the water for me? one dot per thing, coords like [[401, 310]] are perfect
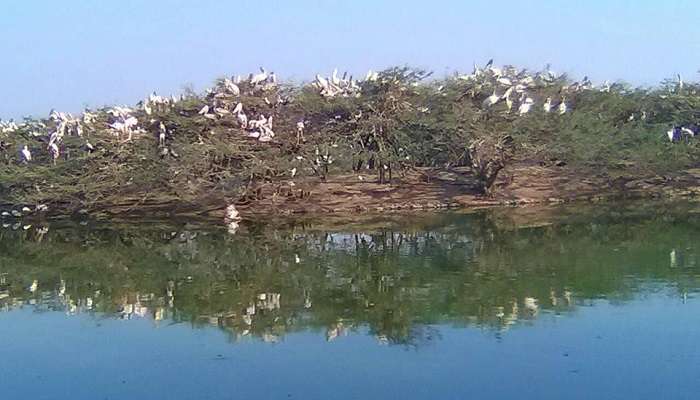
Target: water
[[566, 302]]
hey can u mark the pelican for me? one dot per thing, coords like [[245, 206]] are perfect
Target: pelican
[[26, 154], [204, 110], [680, 81], [547, 105]]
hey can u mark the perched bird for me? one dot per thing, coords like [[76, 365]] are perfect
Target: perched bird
[[55, 153], [161, 135], [258, 78], [525, 105], [674, 134], [26, 154], [563, 108], [547, 107], [232, 215], [491, 100]]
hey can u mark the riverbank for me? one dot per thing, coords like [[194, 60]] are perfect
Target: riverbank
[[392, 141], [420, 189]]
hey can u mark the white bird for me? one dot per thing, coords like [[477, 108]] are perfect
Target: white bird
[[258, 78], [232, 214], [491, 100], [547, 105], [204, 110], [525, 105], [563, 108], [293, 172], [232, 87], [238, 109], [674, 134], [161, 135], [26, 154], [55, 153], [242, 119]]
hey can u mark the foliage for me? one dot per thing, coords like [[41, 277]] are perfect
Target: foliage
[[398, 122]]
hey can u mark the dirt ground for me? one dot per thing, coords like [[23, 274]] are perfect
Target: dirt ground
[[519, 184]]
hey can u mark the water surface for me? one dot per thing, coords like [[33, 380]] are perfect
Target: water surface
[[566, 302]]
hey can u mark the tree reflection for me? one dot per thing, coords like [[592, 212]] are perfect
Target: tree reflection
[[395, 281]]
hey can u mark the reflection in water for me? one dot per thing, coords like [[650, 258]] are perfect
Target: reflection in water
[[398, 280]]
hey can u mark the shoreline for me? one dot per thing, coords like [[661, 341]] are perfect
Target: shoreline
[[421, 190]]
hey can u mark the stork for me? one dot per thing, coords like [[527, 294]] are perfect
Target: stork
[[300, 131], [55, 153], [26, 154], [547, 105], [674, 134], [526, 103], [563, 108], [491, 100], [259, 78], [161, 135]]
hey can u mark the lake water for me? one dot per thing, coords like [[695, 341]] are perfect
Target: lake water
[[576, 302]]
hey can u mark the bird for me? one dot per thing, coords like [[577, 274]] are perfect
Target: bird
[[204, 110], [161, 135], [232, 215], [547, 105], [674, 134], [258, 78], [525, 105], [563, 108], [491, 100], [689, 131], [55, 153], [26, 154]]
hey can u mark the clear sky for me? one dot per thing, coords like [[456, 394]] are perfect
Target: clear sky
[[73, 53]]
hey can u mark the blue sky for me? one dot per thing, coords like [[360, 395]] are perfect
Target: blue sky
[[74, 53]]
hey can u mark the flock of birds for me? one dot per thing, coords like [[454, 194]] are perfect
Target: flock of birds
[[683, 132], [515, 88], [518, 90]]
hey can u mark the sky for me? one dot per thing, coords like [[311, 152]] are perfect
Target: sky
[[72, 54]]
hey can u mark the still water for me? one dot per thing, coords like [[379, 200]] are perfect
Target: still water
[[539, 303]]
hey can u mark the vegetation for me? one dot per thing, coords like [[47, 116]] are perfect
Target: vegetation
[[489, 269], [398, 122]]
